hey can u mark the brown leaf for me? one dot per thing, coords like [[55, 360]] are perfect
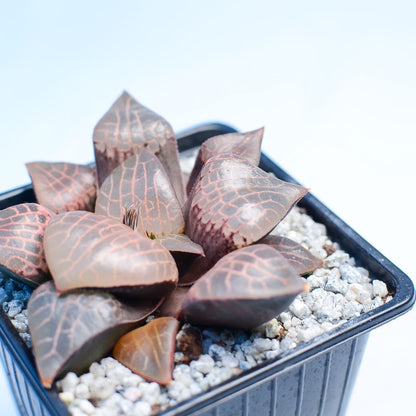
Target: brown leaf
[[235, 203], [180, 243], [191, 272], [298, 256], [139, 193], [71, 331], [87, 250], [244, 289], [246, 145], [63, 186], [148, 350], [172, 303], [128, 127], [22, 256]]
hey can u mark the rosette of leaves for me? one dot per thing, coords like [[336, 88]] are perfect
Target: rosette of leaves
[[142, 229]]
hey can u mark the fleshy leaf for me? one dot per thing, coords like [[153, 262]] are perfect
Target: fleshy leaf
[[190, 273], [235, 203], [301, 259], [180, 243], [22, 256], [139, 193], [128, 127], [63, 186], [244, 289], [148, 350], [246, 145], [87, 250], [72, 330], [172, 303]]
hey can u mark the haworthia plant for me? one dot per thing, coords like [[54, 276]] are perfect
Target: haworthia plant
[[127, 128], [71, 331], [124, 246], [87, 250], [64, 186], [22, 255], [148, 350], [243, 290]]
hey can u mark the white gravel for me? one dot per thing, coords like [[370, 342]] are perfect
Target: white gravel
[[339, 291]]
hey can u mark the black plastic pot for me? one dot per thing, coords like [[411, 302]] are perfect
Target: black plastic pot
[[315, 378]]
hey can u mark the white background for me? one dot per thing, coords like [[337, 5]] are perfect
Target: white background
[[332, 82]]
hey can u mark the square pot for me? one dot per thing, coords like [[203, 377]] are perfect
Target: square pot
[[315, 378]]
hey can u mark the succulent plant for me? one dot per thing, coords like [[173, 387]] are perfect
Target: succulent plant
[[132, 244]]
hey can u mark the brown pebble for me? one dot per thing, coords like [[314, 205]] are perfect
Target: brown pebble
[[189, 342], [329, 249]]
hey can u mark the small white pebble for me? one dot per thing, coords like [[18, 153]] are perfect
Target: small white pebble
[[306, 334], [118, 372], [204, 364], [273, 328], [286, 344], [22, 316], [132, 394], [178, 391], [19, 325], [296, 321], [336, 259], [82, 391], [379, 288], [67, 397], [334, 283], [352, 274], [109, 364], [86, 406], [182, 373], [228, 360], [141, 408], [287, 324], [292, 333], [299, 308], [351, 309], [97, 370], [195, 388], [216, 351], [354, 291], [364, 298], [218, 375], [150, 392], [69, 382], [285, 316], [196, 375], [377, 301], [102, 388], [315, 281], [178, 357], [131, 380], [262, 344], [87, 379]]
